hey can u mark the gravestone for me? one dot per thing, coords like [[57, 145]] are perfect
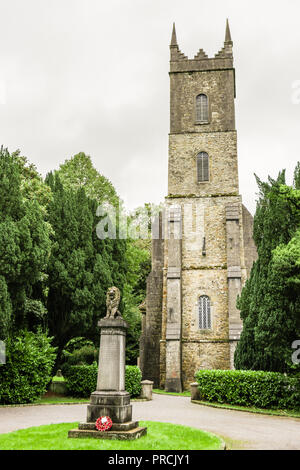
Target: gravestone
[[110, 398]]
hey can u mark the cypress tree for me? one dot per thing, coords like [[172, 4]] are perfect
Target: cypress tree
[[268, 302], [24, 244], [81, 267]]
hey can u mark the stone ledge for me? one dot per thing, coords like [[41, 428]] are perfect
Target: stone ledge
[[115, 427], [117, 322], [130, 435], [204, 268], [118, 413], [110, 397], [206, 196]]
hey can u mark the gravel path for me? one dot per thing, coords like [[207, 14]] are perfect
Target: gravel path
[[249, 430]]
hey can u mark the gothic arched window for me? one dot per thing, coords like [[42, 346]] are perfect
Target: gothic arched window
[[201, 108], [202, 167], [204, 313]]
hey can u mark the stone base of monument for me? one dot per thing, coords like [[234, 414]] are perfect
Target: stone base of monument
[[116, 405], [118, 431]]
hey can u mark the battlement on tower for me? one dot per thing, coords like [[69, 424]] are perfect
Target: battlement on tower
[[223, 59]]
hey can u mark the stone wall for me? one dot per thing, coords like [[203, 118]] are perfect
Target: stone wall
[[205, 273], [218, 85], [203, 354], [152, 318], [249, 245], [223, 171]]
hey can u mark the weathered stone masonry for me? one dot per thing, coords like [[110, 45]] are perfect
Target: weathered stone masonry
[[206, 249]]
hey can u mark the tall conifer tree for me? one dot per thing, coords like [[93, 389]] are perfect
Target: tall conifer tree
[[81, 266], [24, 245], [270, 299]]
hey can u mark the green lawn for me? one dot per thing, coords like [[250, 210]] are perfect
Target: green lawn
[[59, 399], [160, 436], [186, 393], [58, 379], [251, 409]]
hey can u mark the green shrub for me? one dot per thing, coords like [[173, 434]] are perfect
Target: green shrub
[[133, 377], [249, 388], [81, 380], [83, 356], [29, 362], [65, 369], [77, 343]]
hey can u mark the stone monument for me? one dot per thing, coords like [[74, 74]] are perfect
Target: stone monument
[[110, 398]]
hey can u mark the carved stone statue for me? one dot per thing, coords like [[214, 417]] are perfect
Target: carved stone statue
[[112, 303]]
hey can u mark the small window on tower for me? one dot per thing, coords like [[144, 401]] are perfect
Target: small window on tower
[[202, 167], [204, 313], [201, 108]]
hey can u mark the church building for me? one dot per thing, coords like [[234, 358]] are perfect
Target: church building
[[202, 246]]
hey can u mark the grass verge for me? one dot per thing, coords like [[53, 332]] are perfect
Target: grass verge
[[265, 411], [58, 379], [160, 436], [186, 393], [59, 400], [53, 399]]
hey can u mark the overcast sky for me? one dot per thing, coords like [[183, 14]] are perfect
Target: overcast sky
[[92, 76]]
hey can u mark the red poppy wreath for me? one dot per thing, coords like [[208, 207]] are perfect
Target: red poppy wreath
[[104, 423]]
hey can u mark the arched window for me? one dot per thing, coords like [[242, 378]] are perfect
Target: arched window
[[202, 167], [201, 108], [204, 313]]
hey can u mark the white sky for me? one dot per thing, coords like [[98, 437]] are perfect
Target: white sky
[[92, 76]]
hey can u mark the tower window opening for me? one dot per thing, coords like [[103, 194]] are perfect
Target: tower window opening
[[201, 108], [204, 312], [202, 167]]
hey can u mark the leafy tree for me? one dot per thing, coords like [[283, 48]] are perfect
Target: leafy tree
[[27, 372], [279, 324], [297, 176], [79, 172], [24, 244], [5, 310], [81, 267], [70, 298], [117, 260], [139, 264], [32, 186], [269, 301]]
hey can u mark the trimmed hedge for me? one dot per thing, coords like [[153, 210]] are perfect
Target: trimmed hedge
[[81, 380], [133, 377], [249, 388], [27, 372], [83, 356]]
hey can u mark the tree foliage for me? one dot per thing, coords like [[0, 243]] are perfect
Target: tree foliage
[[54, 268], [270, 303], [24, 245], [81, 266], [27, 372], [79, 172]]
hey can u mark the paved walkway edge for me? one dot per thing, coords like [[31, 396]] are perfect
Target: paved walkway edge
[[62, 403], [228, 407]]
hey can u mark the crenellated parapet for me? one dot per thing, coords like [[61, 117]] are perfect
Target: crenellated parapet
[[179, 62]]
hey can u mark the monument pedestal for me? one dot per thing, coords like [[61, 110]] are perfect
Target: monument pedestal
[[116, 405], [110, 398], [125, 431]]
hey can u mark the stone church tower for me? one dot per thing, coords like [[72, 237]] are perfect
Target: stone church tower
[[202, 248]]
